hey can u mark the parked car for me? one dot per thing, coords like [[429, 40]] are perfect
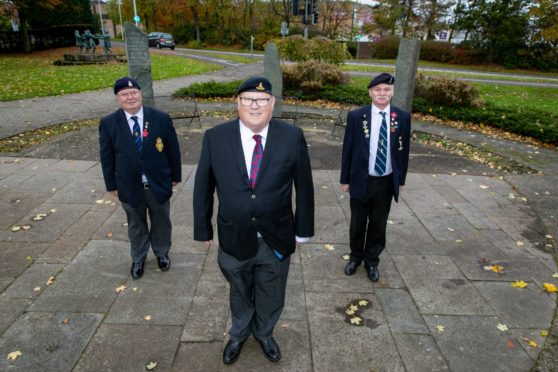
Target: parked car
[[161, 40]]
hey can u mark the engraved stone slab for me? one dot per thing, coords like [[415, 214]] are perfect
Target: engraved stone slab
[[139, 61]]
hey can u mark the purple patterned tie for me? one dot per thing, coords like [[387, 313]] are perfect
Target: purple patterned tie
[[256, 159]]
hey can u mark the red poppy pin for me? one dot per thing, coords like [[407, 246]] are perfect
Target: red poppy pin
[[145, 133]]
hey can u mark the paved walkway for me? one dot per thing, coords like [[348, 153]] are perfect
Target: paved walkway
[[69, 303]]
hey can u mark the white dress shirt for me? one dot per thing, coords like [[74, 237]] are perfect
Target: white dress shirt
[[375, 136], [139, 115]]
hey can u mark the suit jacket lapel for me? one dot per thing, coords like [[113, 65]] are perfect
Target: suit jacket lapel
[[124, 129], [270, 146], [236, 146]]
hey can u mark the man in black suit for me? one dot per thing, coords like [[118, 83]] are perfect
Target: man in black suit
[[373, 169], [140, 158], [253, 162]]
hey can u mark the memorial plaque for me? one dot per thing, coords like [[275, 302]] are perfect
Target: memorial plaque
[[139, 61], [405, 72], [272, 71]]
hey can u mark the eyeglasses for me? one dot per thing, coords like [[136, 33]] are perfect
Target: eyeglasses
[[260, 102], [133, 94]]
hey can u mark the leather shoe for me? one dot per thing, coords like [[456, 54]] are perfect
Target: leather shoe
[[351, 267], [373, 273], [164, 263], [270, 349], [232, 351], [137, 269]]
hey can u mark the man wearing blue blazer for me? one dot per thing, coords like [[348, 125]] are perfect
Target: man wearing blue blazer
[[373, 169], [140, 158], [253, 162]]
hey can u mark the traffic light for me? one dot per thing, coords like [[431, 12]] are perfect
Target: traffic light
[[315, 18], [295, 7]]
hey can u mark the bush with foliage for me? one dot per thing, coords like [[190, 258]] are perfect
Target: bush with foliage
[[298, 49], [447, 92], [293, 48], [437, 51], [386, 48], [310, 76], [210, 89]]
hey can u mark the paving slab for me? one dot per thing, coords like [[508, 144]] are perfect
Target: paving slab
[[82, 191], [15, 257], [47, 341], [465, 340], [198, 357], [426, 200], [477, 218], [64, 249], [409, 232], [330, 226], [10, 310], [419, 353], [400, 311], [15, 205], [123, 348], [33, 281], [448, 227]]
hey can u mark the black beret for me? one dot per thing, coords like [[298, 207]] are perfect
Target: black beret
[[125, 83], [383, 78], [255, 84]]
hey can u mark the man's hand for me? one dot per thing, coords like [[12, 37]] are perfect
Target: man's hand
[[114, 193], [345, 187], [174, 183], [209, 243]]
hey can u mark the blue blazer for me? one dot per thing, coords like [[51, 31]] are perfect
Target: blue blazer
[[268, 208], [356, 149], [122, 164]]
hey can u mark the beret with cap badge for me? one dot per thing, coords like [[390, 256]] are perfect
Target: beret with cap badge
[[255, 84], [383, 78], [125, 83]]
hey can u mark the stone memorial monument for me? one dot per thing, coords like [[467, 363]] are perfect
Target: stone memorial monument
[[272, 71], [405, 73], [139, 61]]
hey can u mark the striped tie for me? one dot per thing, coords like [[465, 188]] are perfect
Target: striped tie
[[256, 159], [381, 154], [136, 133]]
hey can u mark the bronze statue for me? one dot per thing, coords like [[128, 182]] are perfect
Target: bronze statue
[[89, 41], [79, 41], [106, 42]]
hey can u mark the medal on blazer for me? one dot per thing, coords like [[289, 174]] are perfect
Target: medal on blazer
[[394, 123], [159, 144], [365, 127], [145, 130], [400, 143]]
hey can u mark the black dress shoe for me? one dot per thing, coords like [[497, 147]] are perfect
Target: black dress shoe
[[137, 269], [164, 263], [373, 273], [270, 349], [232, 351], [351, 267]]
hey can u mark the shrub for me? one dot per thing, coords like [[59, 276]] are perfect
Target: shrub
[[310, 76], [293, 48], [386, 48], [446, 92], [210, 89], [326, 50], [437, 51]]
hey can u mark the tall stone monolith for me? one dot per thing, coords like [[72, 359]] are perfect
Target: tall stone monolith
[[139, 61], [272, 71], [405, 73]]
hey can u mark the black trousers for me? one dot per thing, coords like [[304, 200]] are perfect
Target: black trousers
[[141, 236], [369, 217], [257, 291]]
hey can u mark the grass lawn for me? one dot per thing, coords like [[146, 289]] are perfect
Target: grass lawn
[[34, 75]]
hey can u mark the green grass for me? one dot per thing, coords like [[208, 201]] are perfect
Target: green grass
[[34, 75]]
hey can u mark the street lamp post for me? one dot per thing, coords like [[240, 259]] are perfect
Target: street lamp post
[[120, 15], [135, 14], [101, 16]]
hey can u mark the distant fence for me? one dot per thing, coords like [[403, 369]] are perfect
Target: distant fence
[[11, 42]]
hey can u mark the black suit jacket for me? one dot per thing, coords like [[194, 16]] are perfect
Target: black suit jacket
[[356, 149], [267, 209], [122, 164]]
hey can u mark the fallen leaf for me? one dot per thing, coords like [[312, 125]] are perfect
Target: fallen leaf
[[524, 199], [108, 201], [350, 311], [519, 243], [37, 218], [390, 222], [363, 303], [99, 201], [519, 284], [135, 289], [555, 275], [324, 187], [356, 320], [451, 229], [151, 366], [353, 307], [502, 327], [53, 210], [37, 289], [25, 227], [66, 321], [496, 268], [549, 287], [530, 342], [14, 354], [510, 344], [50, 280], [29, 258], [15, 228], [548, 236], [458, 241], [440, 328], [120, 289], [544, 333], [147, 317], [346, 257], [329, 247], [484, 187], [109, 235]]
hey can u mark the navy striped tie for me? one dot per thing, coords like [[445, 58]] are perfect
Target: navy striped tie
[[136, 133], [381, 154]]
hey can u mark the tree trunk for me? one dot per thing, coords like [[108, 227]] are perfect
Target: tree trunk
[[24, 31]]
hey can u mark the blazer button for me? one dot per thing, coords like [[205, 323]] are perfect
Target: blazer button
[[253, 219], [253, 196]]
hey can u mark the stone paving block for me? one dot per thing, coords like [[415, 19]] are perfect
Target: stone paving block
[[96, 171], [10, 310], [449, 194], [330, 226], [411, 232], [79, 166], [466, 339], [400, 211], [432, 267], [527, 230], [389, 275], [10, 165], [5, 282], [198, 357], [188, 178], [88, 283], [88, 224], [165, 296], [324, 194], [400, 311], [35, 277], [15, 257], [523, 335], [427, 201], [106, 202], [183, 241], [505, 243], [181, 211], [417, 181], [11, 182], [81, 191], [15, 205], [63, 250], [47, 182], [123, 348], [295, 303], [338, 346], [115, 227], [477, 218], [449, 227], [400, 245], [420, 353], [519, 307], [322, 271], [35, 166], [46, 342], [294, 342]]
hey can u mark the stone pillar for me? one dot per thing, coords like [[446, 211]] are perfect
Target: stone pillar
[[272, 71], [405, 72], [139, 61]]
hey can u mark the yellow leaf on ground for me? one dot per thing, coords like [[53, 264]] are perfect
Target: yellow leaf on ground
[[544, 333], [530, 342], [390, 222], [147, 317], [120, 289], [502, 327], [519, 243], [349, 311], [53, 210], [484, 187], [329, 247], [363, 303], [151, 366], [50, 280], [353, 307], [549, 287], [36, 289], [25, 227], [555, 275], [100, 201], [15, 228], [66, 321], [346, 257], [458, 241], [451, 229], [519, 284], [14, 354], [496, 268], [440, 328], [356, 320]]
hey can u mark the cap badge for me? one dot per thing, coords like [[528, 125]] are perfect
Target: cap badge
[[130, 83], [260, 86]]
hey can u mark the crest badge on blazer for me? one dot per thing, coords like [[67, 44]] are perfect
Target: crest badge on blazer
[[159, 144]]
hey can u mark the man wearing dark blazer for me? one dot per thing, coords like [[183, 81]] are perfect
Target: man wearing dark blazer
[[373, 169], [140, 158], [253, 162]]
